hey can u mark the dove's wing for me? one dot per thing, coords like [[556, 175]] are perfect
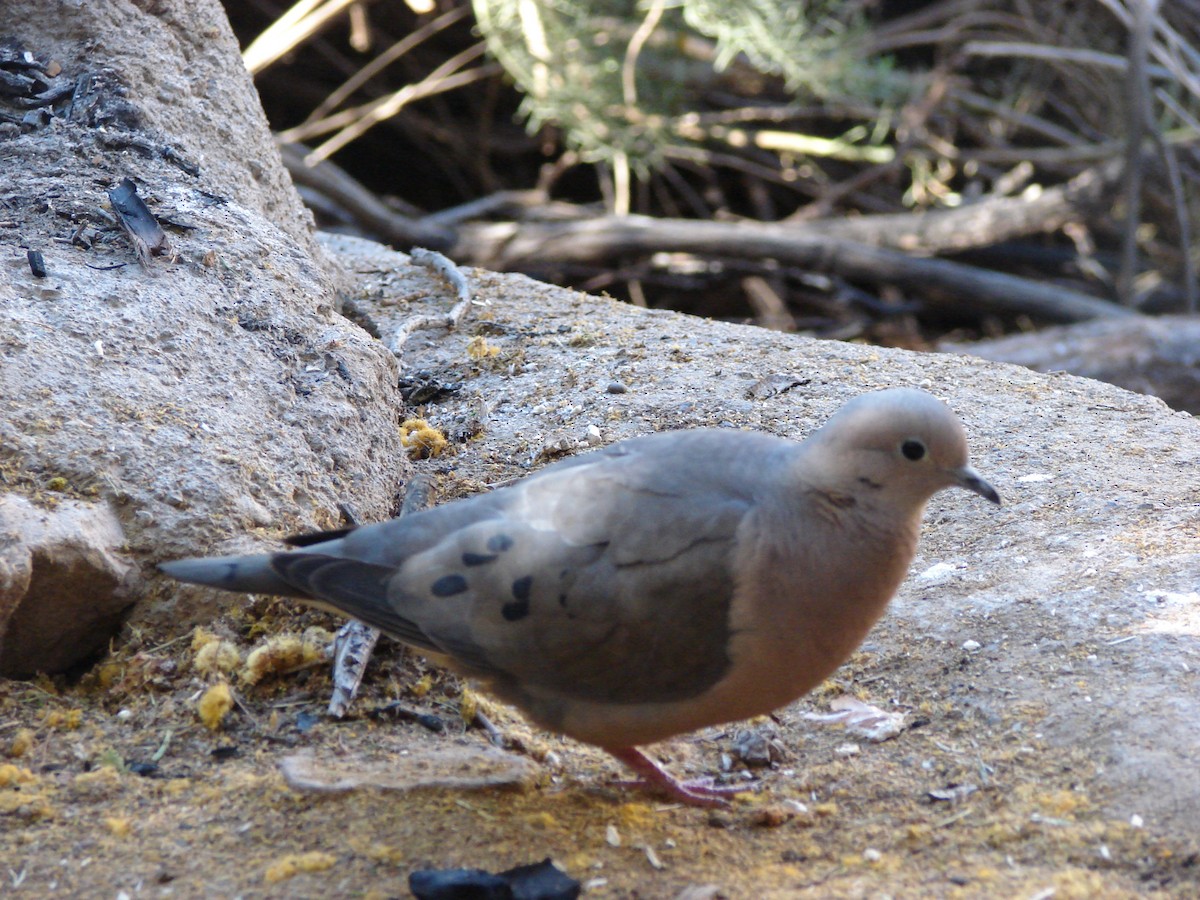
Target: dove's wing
[[607, 580]]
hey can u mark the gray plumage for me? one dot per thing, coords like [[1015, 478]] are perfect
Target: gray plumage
[[656, 586]]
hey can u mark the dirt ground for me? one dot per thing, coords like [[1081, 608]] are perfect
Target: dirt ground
[[830, 821], [1044, 656]]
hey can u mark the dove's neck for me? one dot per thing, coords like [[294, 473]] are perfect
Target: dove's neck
[[848, 569], [826, 563]]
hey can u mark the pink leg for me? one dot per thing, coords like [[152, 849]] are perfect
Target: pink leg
[[700, 792]]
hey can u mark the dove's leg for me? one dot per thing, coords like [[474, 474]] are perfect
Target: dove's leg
[[700, 792]]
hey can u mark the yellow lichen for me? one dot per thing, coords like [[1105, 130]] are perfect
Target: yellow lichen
[[317, 637], [479, 348], [21, 743], [24, 806], [107, 674], [1061, 804], [422, 440], [916, 835], [11, 775], [217, 657], [295, 863], [383, 853], [635, 815], [98, 784], [214, 705], [422, 687], [281, 654], [1078, 885], [468, 705], [541, 820], [178, 787], [65, 719], [472, 704], [202, 637], [117, 826]]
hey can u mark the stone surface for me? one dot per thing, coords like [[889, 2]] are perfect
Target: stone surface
[[1080, 591], [62, 583], [1157, 356], [214, 392]]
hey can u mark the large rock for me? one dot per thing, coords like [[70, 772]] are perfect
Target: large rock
[[62, 583], [1081, 592], [214, 393]]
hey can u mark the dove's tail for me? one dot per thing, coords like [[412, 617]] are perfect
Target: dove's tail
[[244, 574], [346, 587]]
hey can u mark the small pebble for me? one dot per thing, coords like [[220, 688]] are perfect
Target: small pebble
[[719, 820], [755, 748], [615, 387], [771, 816], [652, 857]]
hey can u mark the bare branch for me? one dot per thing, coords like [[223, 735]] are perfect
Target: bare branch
[[512, 245], [331, 181], [448, 270]]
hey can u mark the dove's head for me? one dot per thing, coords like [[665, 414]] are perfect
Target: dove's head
[[902, 443]]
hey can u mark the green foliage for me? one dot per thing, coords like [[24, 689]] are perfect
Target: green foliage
[[810, 45], [572, 61]]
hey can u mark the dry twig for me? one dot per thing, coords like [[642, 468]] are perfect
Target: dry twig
[[452, 319]]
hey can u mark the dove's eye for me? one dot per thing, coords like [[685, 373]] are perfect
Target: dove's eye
[[913, 450]]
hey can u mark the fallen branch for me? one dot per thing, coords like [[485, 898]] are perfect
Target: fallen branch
[[865, 248], [515, 245], [990, 221], [371, 213], [1152, 355]]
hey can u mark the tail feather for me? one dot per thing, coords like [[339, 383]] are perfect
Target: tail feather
[[244, 574], [343, 586]]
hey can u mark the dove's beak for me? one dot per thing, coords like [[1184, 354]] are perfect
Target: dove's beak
[[968, 478]]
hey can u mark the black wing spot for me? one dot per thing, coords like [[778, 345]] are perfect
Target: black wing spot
[[515, 611], [522, 588], [498, 543], [448, 586], [477, 559]]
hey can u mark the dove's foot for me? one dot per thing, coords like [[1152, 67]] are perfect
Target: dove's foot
[[653, 777]]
